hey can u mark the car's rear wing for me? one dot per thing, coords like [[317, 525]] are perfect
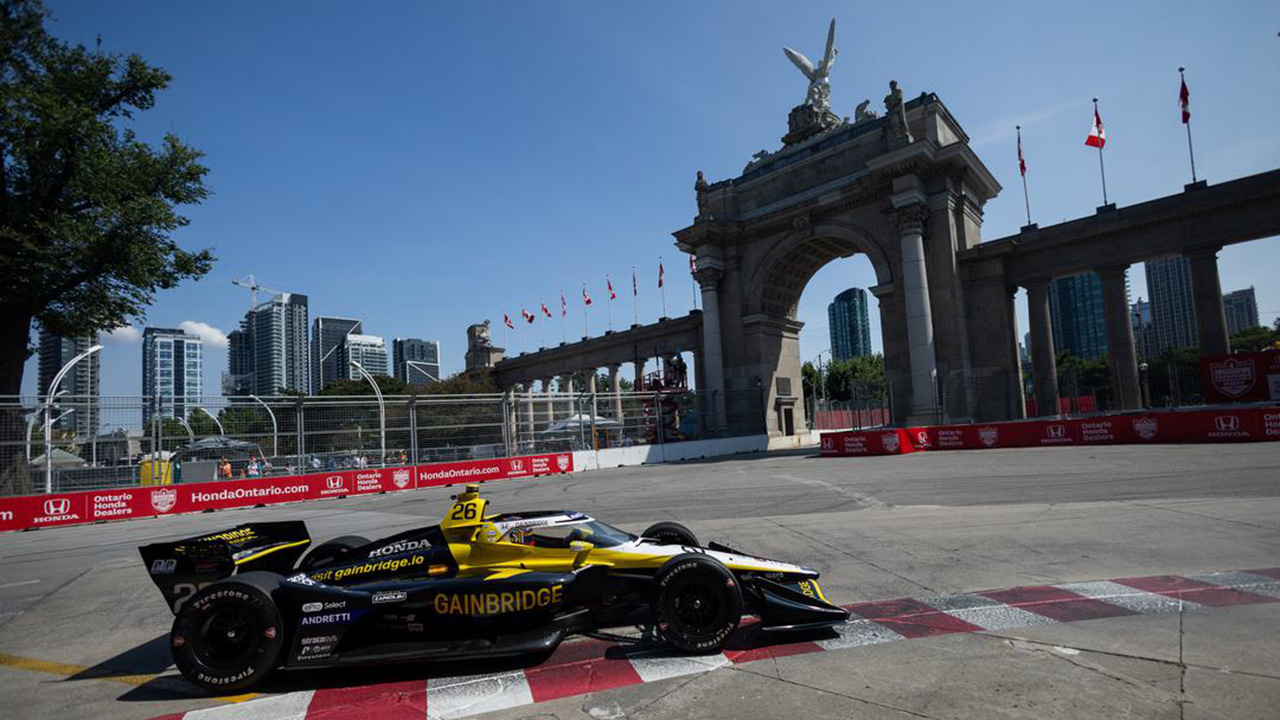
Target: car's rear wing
[[182, 568]]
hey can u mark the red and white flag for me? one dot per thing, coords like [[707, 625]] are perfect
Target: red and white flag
[[612, 294], [1184, 99], [1098, 134], [528, 316], [635, 288], [506, 320], [659, 273], [1022, 162], [545, 310], [564, 307], [586, 299], [693, 266]]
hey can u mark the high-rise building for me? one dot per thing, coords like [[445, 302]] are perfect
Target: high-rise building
[[1173, 311], [850, 325], [1144, 336], [172, 372], [82, 383], [416, 362], [327, 335], [1241, 307], [270, 352], [1079, 323], [368, 350]]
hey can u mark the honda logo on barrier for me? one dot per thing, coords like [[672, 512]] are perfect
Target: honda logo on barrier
[[335, 482], [1227, 423], [517, 465], [1056, 431], [57, 506], [828, 442]]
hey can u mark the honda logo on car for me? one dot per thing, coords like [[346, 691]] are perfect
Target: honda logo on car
[[403, 546]]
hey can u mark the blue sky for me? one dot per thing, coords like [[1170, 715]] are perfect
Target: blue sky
[[425, 165]]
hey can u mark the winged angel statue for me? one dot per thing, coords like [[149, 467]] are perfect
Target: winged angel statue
[[819, 88]]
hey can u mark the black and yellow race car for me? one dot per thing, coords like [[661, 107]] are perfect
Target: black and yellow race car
[[258, 597]]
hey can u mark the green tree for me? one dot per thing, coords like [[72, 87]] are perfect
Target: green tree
[[1255, 339], [87, 209]]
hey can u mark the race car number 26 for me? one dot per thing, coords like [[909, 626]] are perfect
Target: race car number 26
[[464, 512]]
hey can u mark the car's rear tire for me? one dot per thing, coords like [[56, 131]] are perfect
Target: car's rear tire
[[697, 603], [333, 550], [230, 635], [671, 533]]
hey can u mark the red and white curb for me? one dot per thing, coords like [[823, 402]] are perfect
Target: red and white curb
[[589, 666]]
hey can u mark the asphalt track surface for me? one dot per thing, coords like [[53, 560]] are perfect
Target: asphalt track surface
[[83, 632]]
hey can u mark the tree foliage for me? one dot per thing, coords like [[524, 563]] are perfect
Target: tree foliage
[[1255, 339], [87, 208], [861, 378]]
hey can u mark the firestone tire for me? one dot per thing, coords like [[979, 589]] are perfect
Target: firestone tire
[[331, 551], [697, 603], [671, 533], [230, 635]]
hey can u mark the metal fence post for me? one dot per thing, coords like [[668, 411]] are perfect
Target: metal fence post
[[657, 414], [413, 429], [302, 444]]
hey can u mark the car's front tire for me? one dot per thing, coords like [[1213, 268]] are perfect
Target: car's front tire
[[697, 603], [231, 634], [671, 533]]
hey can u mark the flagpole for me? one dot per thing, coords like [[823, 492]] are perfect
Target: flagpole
[[1190, 151], [1101, 168], [585, 334], [1026, 199]]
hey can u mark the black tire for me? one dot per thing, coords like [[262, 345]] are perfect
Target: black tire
[[697, 603], [230, 635], [671, 533], [328, 552]]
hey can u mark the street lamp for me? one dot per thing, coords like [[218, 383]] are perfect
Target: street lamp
[[275, 430], [32, 425], [382, 410], [48, 420], [1146, 384], [213, 417], [182, 421]]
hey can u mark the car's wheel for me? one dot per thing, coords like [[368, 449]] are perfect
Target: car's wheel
[[697, 603], [671, 533], [328, 552], [230, 635]]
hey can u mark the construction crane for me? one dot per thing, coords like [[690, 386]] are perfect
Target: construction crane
[[249, 281]]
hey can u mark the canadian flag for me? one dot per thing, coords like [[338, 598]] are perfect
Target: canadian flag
[[1184, 99], [586, 299], [635, 287], [1022, 163], [659, 273], [693, 265], [612, 294], [528, 316], [506, 320], [545, 310], [564, 306], [1098, 134]]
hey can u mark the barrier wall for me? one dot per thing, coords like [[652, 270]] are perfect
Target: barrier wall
[[32, 511], [1247, 424]]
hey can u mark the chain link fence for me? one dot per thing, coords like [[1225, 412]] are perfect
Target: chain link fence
[[142, 440], [870, 404]]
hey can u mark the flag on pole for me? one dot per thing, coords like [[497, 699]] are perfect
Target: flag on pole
[[528, 316], [506, 320], [659, 273], [564, 306], [609, 282], [693, 265], [635, 288], [1097, 134], [586, 299], [1184, 99], [1022, 162], [545, 310]]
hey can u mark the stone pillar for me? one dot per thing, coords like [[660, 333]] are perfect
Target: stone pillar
[[915, 287], [566, 387], [1121, 353], [615, 388], [1044, 362], [549, 403], [713, 363], [1206, 293]]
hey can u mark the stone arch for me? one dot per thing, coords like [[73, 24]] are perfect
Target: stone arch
[[781, 276]]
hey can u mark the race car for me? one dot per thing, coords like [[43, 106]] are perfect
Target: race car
[[258, 597]]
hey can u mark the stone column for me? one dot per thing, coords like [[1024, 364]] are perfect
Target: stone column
[[713, 363], [549, 403], [915, 286], [566, 387], [1206, 293], [1121, 353], [1017, 392], [615, 388], [1044, 362]]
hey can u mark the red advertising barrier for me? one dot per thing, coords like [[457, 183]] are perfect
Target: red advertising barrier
[[31, 511], [1242, 377], [1197, 426]]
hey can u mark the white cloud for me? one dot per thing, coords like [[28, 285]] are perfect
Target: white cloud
[[211, 335], [1002, 130], [124, 335]]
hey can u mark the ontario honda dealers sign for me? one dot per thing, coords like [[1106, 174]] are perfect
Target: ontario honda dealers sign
[[33, 511]]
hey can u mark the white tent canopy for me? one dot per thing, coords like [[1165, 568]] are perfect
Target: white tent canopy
[[581, 421]]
